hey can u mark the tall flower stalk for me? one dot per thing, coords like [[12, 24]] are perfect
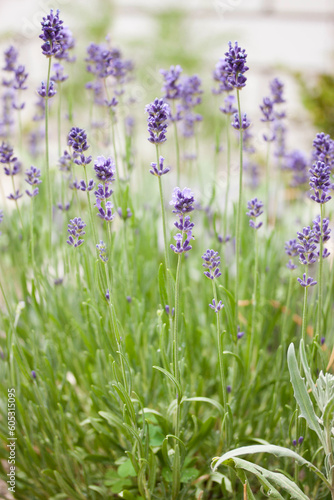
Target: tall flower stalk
[[234, 67], [51, 35], [182, 202], [254, 210]]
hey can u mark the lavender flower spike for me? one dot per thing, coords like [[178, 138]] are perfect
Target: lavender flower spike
[[244, 124], [104, 169], [76, 231], [102, 251], [51, 34], [211, 262], [43, 93], [158, 113], [235, 60], [306, 282], [255, 210], [217, 307], [161, 170], [33, 178], [320, 182], [182, 200]]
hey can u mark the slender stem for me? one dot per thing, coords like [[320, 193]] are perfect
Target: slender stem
[[32, 232], [59, 117], [167, 264], [177, 147], [237, 238], [16, 203], [220, 351], [90, 209], [287, 308], [304, 311], [176, 341], [267, 182], [320, 271], [47, 161], [228, 151], [255, 300]]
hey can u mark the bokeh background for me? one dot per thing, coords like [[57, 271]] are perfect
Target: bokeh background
[[293, 40]]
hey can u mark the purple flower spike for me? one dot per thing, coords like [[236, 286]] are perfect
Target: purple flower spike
[[294, 442], [171, 88], [161, 170], [11, 55], [306, 247], [107, 295], [103, 192], [276, 87], [267, 109], [63, 207], [255, 210], [217, 307], [325, 234], [324, 149], [33, 374], [300, 440], [245, 122], [77, 139], [20, 77], [102, 251], [182, 200], [229, 108], [84, 187], [33, 176], [58, 76], [51, 34], [15, 196], [228, 389], [320, 182], [104, 169], [291, 248], [42, 90], [105, 213], [235, 60], [240, 334], [290, 265], [67, 43], [158, 113], [306, 282], [211, 262], [182, 246], [322, 340], [65, 162], [76, 231]]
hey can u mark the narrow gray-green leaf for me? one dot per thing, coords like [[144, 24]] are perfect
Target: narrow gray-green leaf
[[213, 402], [301, 395], [307, 371], [268, 478], [278, 451]]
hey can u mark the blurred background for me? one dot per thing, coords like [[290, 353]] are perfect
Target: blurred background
[[292, 40]]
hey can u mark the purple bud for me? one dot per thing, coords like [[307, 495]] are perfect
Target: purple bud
[[33, 374]]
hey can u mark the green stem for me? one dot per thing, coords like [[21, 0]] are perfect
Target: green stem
[[177, 147], [318, 333], [220, 352], [59, 118], [255, 300], [287, 308], [16, 203], [47, 161], [267, 182], [176, 341], [167, 264], [228, 151], [237, 238], [304, 324], [32, 233], [90, 209]]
